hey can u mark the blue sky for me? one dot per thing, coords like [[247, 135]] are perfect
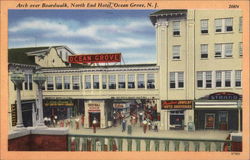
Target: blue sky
[[86, 31]]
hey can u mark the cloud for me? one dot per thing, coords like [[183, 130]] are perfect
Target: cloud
[[130, 36]]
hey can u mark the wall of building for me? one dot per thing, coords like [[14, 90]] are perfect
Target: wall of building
[[211, 63], [52, 59]]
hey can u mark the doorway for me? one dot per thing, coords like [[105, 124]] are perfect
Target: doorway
[[93, 115], [209, 120]]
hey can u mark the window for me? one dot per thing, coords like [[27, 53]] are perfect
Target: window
[[224, 25], [104, 82], [50, 83], [172, 79], [131, 81], [237, 78], [199, 79], [76, 82], [208, 79], [218, 25], [87, 81], [28, 85], [112, 81], [150, 81], [140, 81], [204, 26], [96, 81], [240, 49], [223, 50], [204, 51], [121, 81], [176, 52], [240, 24], [66, 80], [59, 82], [176, 28], [227, 78], [218, 50], [228, 24], [176, 79], [228, 49], [218, 75], [204, 79]]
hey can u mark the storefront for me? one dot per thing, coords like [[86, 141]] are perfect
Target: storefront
[[220, 111], [63, 109], [123, 108], [96, 109], [176, 114]]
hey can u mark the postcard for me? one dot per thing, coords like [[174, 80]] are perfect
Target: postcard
[[144, 79]]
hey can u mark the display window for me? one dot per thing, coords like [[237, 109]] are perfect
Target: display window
[[209, 121]]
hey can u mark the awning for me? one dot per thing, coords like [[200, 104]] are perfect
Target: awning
[[216, 105]]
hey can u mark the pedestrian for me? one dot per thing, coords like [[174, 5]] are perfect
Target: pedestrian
[[77, 123], [134, 120], [82, 120], [45, 121], [149, 125], [94, 125], [62, 123], [156, 127], [68, 123], [49, 122], [129, 129], [55, 119], [114, 120], [144, 125], [124, 122], [71, 123]]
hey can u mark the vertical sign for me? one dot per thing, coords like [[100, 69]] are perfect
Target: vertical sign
[[14, 114]]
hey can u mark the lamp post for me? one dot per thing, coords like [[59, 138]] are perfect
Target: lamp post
[[239, 105], [39, 78], [17, 78]]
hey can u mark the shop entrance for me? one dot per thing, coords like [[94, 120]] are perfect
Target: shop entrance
[[177, 119], [223, 120], [93, 115], [209, 121]]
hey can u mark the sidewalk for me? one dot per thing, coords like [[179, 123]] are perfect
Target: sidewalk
[[138, 132]]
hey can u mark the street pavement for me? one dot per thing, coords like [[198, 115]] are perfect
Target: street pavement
[[137, 131]]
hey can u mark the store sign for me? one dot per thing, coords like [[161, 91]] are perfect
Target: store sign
[[175, 104], [13, 114], [224, 96], [119, 105], [94, 107], [95, 58]]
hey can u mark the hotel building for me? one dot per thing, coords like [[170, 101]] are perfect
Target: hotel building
[[195, 84]]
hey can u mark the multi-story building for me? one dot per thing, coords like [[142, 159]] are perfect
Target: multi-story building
[[199, 53], [196, 83]]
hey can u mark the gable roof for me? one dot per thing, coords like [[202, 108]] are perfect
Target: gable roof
[[18, 55]]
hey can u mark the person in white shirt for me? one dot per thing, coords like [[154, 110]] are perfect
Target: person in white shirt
[[144, 122], [94, 125]]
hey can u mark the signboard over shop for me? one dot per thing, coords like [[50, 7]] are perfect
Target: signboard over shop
[[224, 96], [176, 104], [95, 58], [119, 105], [93, 107]]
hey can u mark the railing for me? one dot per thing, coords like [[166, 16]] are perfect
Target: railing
[[129, 143]]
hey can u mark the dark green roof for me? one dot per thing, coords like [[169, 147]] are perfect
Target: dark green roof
[[18, 55]]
